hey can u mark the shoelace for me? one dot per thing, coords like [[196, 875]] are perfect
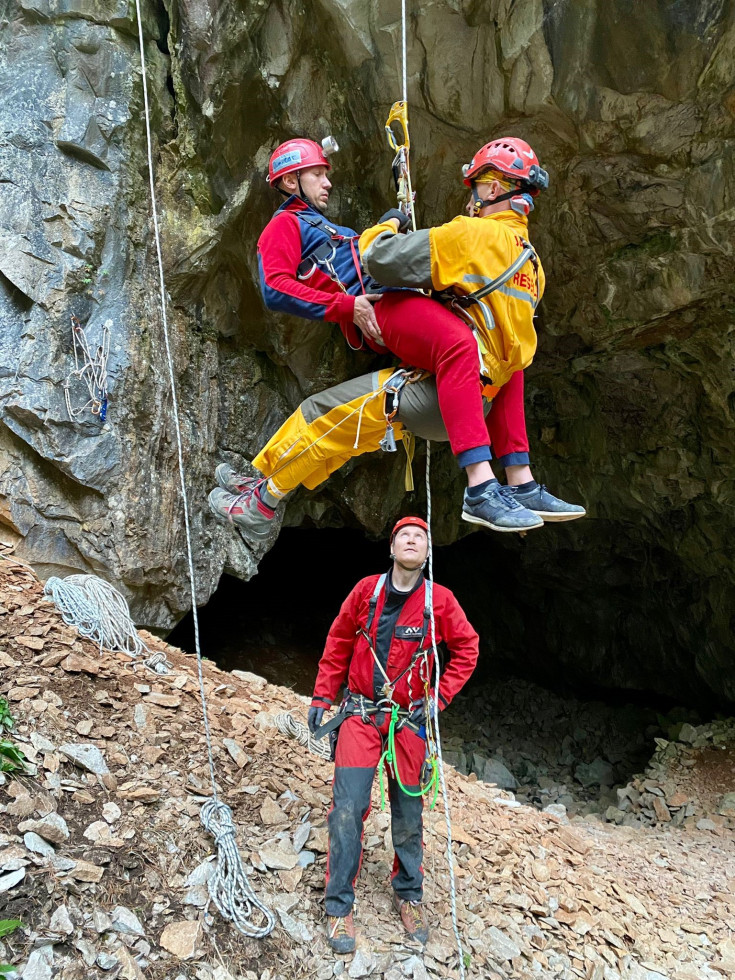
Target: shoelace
[[245, 483], [415, 909], [243, 498], [339, 928], [509, 496]]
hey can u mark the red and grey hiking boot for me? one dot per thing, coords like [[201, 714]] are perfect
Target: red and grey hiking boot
[[233, 482], [246, 510], [341, 933], [412, 917]]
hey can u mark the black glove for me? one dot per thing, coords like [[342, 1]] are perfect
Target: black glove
[[418, 713], [314, 718], [403, 219]]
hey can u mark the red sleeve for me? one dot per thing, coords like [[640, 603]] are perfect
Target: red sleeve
[[463, 642], [279, 255], [338, 650]]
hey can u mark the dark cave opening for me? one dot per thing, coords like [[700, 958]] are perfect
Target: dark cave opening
[[527, 712], [276, 623]]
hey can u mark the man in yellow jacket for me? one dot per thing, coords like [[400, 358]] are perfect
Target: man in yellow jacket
[[491, 276]]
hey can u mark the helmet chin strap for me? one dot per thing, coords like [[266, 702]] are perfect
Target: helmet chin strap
[[303, 196], [520, 201], [300, 194]]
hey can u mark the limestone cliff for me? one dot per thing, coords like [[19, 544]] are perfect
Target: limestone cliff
[[630, 107]]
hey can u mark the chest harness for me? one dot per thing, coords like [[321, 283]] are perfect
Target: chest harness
[[372, 712], [460, 305], [323, 255]]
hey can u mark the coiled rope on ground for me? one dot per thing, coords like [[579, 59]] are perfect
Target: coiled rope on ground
[[287, 725], [99, 612]]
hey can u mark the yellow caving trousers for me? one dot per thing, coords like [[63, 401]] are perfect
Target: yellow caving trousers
[[325, 431]]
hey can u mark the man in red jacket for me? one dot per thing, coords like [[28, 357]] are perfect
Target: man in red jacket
[[380, 645]]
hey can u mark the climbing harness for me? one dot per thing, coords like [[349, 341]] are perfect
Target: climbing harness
[[90, 369], [229, 887], [98, 611], [393, 389], [324, 254]]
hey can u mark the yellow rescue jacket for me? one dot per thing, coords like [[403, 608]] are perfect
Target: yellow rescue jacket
[[462, 256]]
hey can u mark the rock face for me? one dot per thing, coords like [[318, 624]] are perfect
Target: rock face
[[630, 107]]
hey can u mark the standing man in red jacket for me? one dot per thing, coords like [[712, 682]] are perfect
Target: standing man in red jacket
[[380, 645]]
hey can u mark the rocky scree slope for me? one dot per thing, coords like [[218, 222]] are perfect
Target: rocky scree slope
[[103, 858]]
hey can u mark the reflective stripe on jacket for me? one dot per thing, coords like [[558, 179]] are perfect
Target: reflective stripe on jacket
[[347, 657], [462, 256]]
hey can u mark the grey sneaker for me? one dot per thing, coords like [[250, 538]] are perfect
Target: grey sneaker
[[234, 482], [546, 505], [498, 509], [254, 520]]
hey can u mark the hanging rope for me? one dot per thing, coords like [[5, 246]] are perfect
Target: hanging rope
[[437, 733], [98, 611], [287, 725], [229, 887], [402, 175], [90, 369]]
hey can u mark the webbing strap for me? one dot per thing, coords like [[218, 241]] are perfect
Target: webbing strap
[[379, 585], [374, 601]]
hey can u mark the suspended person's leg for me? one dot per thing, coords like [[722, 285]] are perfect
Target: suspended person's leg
[[506, 423], [322, 434], [426, 335], [358, 750]]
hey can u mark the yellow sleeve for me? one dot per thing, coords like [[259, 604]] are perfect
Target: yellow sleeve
[[449, 254], [370, 234]]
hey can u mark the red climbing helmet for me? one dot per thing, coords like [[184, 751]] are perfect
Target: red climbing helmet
[[295, 155], [409, 522], [512, 157]]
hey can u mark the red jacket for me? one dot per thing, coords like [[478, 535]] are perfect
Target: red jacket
[[347, 656]]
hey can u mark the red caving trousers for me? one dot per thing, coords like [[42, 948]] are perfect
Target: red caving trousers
[[359, 748], [426, 335], [506, 423]]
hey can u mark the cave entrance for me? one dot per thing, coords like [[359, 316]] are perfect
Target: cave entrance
[[515, 722]]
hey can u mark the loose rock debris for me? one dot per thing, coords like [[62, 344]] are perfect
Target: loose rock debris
[[104, 860]]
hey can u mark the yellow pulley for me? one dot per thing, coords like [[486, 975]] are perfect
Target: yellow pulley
[[398, 113], [401, 144]]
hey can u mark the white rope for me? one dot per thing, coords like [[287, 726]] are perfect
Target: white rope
[[287, 725], [437, 734], [100, 613], [92, 372], [404, 88], [229, 887]]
